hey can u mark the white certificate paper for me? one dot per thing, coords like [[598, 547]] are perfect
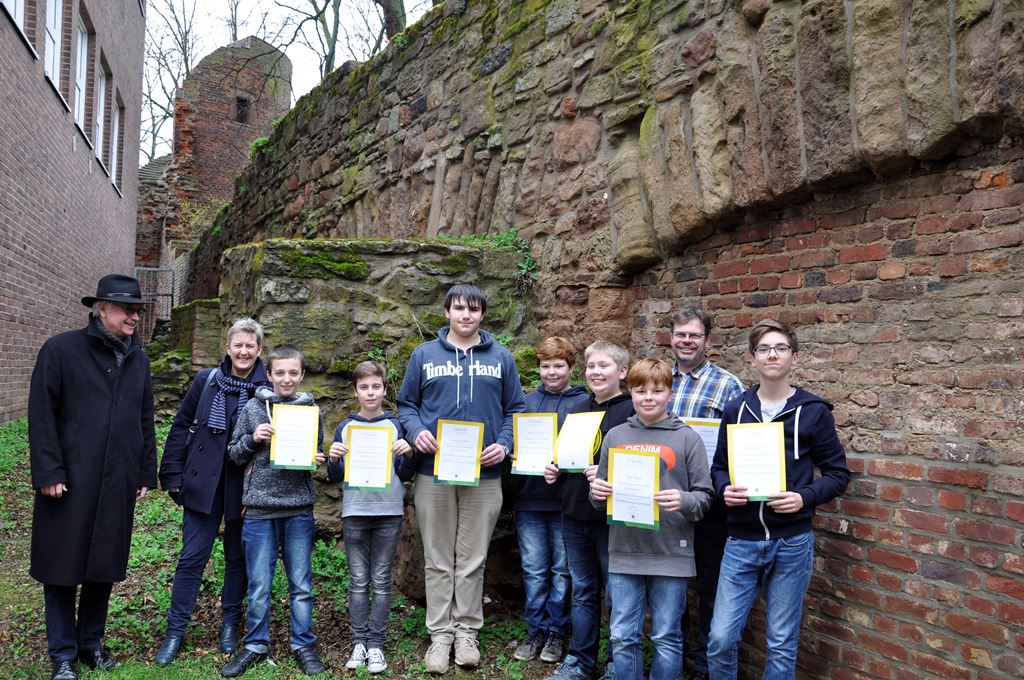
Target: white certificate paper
[[707, 430], [296, 432], [635, 478], [459, 445], [368, 463], [535, 435], [578, 441], [757, 458]]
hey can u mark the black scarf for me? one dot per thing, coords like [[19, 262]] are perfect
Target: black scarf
[[118, 346]]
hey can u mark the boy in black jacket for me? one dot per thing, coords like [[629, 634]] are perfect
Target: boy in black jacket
[[771, 543]]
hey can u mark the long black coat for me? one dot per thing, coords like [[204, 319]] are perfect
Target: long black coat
[[199, 470], [90, 426]]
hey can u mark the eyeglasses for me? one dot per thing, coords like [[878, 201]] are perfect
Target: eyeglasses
[[132, 311], [765, 350], [689, 336]]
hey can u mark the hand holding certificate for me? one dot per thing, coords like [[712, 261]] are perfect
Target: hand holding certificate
[[296, 432], [635, 479], [707, 430], [457, 460], [535, 435], [368, 464], [577, 441], [757, 458]]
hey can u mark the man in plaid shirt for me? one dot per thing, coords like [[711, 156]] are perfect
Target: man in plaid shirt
[[701, 389]]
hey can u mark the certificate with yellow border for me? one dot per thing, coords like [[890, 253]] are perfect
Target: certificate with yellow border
[[757, 458], [534, 435], [368, 463], [635, 477], [707, 430], [459, 445], [578, 441], [296, 431]]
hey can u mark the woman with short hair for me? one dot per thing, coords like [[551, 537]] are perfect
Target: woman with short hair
[[197, 474]]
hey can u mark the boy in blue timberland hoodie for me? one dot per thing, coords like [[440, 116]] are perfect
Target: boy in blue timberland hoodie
[[771, 543], [462, 375], [649, 570], [278, 513], [372, 521], [539, 515]]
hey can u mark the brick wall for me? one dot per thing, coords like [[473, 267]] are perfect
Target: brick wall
[[908, 299], [62, 223]]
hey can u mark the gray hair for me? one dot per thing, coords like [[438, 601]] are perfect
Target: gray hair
[[247, 325], [96, 308]]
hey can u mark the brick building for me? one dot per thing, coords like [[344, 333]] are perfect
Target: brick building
[[71, 78], [229, 99]]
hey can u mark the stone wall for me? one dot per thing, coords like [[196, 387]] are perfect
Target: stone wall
[[852, 167]]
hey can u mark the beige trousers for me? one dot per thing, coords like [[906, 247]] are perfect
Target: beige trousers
[[455, 523]]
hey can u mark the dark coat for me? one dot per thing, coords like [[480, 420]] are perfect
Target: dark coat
[[90, 426], [200, 470]]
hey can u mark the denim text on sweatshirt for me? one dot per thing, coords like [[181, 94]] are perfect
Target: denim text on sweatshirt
[[360, 503], [479, 385]]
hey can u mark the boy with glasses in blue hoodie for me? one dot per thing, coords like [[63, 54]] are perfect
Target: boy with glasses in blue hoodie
[[771, 542], [464, 375]]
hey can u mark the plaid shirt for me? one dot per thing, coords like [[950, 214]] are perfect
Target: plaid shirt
[[703, 393]]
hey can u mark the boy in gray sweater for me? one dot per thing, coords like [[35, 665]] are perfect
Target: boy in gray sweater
[[372, 520], [652, 567], [278, 511]]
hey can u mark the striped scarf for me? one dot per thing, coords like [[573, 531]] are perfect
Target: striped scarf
[[228, 384]]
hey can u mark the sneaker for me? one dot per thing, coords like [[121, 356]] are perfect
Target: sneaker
[[609, 672], [467, 653], [553, 649], [570, 669], [241, 661], [376, 663], [358, 657], [529, 650], [437, 656]]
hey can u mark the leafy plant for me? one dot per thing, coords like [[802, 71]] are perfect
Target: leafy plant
[[257, 145], [509, 240]]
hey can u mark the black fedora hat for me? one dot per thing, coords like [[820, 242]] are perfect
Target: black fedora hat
[[117, 288]]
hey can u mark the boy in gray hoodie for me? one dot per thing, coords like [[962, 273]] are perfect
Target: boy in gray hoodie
[[277, 510], [645, 567]]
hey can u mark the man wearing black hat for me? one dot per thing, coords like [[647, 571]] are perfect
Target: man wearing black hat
[[93, 455]]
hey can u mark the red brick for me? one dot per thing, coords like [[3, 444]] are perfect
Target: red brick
[[886, 647], [958, 477], [992, 198], [769, 264], [1012, 614], [980, 605], [876, 251], [798, 225], [865, 509], [939, 666], [892, 559], [730, 269], [1015, 510], [896, 469], [893, 210], [1006, 586], [954, 266], [843, 219], [971, 627], [952, 500], [985, 531], [889, 581], [923, 521], [791, 280], [978, 241], [976, 654]]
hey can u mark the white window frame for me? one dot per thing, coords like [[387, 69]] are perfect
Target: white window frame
[[52, 40], [16, 8], [101, 110], [81, 75], [115, 124]]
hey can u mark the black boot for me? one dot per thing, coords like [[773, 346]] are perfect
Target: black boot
[[168, 651], [240, 662], [229, 638]]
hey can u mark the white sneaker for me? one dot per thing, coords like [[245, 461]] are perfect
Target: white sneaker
[[436, 658], [375, 662], [358, 657], [467, 653]]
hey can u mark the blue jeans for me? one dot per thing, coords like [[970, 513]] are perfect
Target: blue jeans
[[66, 634], [198, 533], [545, 572], [586, 546], [370, 550], [631, 596], [261, 538], [783, 567]]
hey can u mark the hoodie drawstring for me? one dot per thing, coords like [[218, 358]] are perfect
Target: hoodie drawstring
[[796, 434], [458, 381], [469, 366]]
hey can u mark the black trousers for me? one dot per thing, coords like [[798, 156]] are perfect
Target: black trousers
[[66, 634], [709, 539]]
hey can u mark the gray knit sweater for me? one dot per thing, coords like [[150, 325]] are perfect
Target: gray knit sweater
[[267, 492]]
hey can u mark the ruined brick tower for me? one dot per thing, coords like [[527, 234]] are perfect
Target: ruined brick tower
[[230, 98]]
